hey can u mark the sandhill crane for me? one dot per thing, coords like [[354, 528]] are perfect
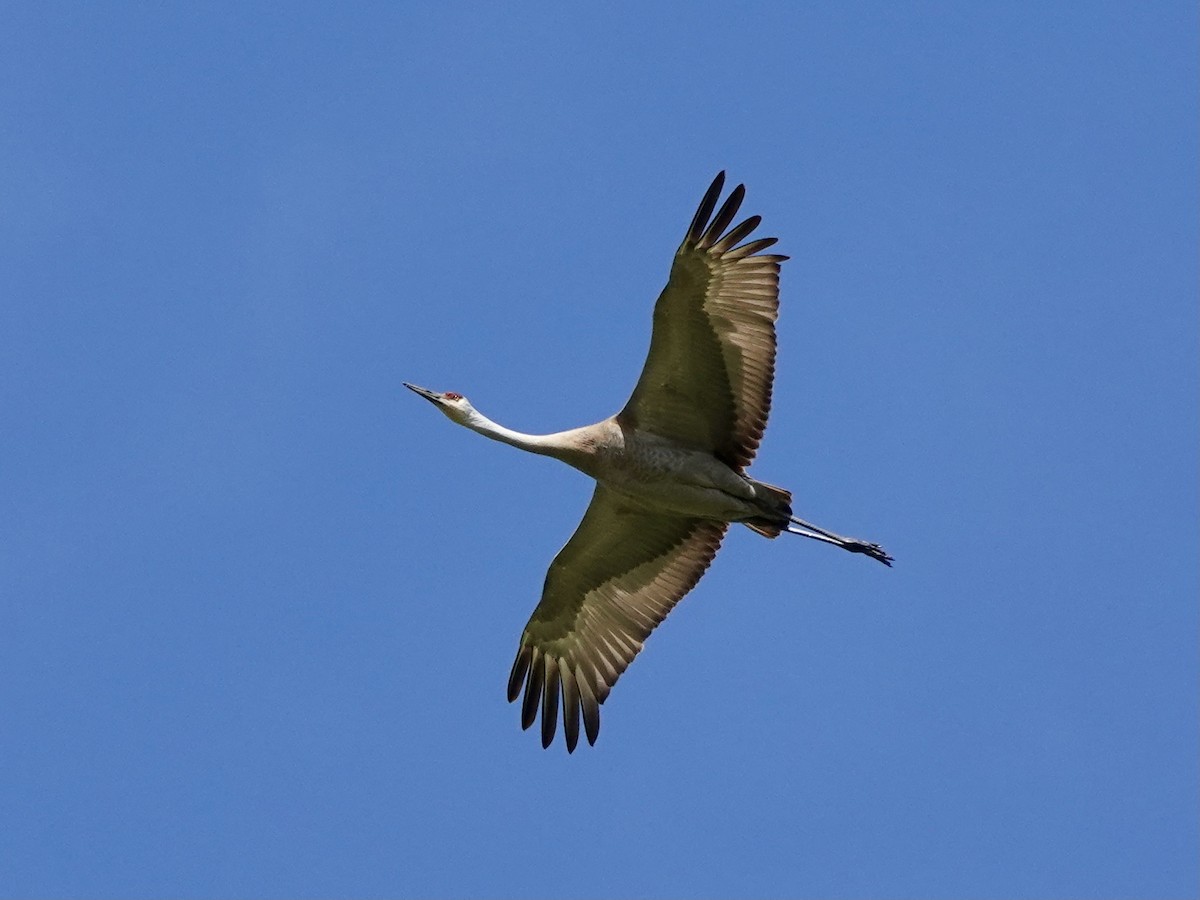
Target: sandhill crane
[[669, 470]]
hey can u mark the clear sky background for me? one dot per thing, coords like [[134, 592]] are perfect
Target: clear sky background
[[258, 603]]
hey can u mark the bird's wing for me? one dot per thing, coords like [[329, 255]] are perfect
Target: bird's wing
[[614, 581], [707, 379]]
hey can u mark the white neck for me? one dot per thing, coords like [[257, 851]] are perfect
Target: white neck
[[545, 444]]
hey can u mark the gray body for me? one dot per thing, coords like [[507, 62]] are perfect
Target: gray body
[[660, 474]]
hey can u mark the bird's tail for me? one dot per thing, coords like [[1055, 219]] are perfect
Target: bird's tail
[[776, 506]]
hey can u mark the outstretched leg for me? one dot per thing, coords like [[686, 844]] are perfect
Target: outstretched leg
[[808, 530]]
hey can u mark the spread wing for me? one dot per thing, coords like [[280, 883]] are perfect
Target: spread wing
[[617, 577], [707, 379]]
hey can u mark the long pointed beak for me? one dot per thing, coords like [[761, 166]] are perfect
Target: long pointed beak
[[424, 392]]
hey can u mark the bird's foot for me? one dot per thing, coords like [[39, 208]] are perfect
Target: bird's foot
[[872, 550]]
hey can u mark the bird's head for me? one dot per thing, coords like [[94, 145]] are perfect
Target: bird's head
[[456, 407]]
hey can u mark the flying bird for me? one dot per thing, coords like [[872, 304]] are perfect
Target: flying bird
[[670, 471]]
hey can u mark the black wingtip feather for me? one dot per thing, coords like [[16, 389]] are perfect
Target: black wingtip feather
[[706, 207], [570, 709], [550, 702], [737, 233], [590, 708], [756, 246], [516, 678], [533, 692], [724, 216], [591, 724]]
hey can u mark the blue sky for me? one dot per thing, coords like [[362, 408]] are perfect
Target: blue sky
[[259, 602]]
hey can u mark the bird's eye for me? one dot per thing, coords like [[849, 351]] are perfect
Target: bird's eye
[[450, 395]]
